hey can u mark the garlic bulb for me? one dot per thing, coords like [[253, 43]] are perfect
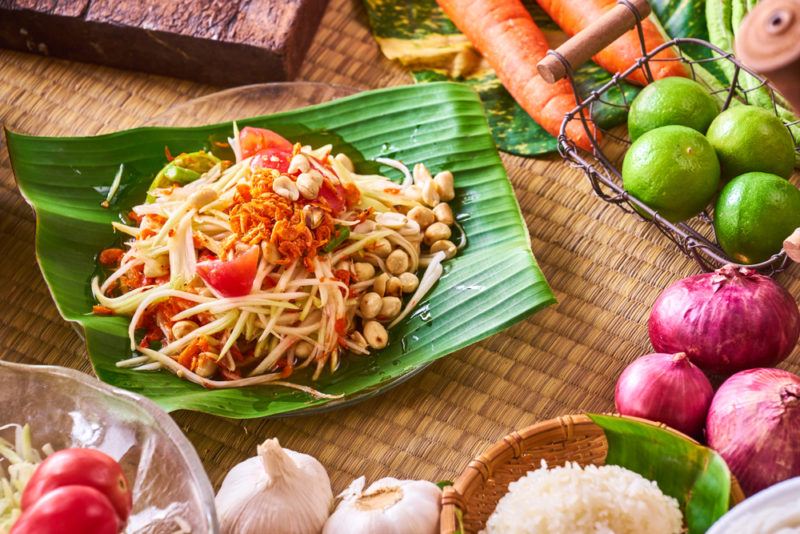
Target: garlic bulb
[[389, 506], [279, 491]]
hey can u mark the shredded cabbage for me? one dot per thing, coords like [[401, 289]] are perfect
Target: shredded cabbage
[[18, 461]]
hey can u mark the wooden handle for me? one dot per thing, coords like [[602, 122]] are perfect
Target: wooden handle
[[590, 40], [769, 43]]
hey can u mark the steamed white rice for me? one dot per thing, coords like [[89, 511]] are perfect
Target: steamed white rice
[[591, 500]]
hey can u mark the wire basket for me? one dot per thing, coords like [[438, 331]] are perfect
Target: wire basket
[[695, 237]]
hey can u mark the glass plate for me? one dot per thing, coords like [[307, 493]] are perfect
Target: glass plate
[[249, 101]]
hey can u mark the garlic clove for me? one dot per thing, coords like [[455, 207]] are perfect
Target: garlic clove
[[381, 499], [355, 489], [279, 491], [388, 505], [792, 246], [277, 464]]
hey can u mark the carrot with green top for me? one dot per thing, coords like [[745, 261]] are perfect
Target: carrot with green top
[[505, 33], [572, 17]]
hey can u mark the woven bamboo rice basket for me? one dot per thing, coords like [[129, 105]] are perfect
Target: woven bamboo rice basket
[[575, 438]]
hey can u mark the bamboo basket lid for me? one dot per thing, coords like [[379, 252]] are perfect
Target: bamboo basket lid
[[575, 438]]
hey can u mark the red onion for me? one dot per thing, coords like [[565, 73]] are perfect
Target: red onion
[[666, 388], [754, 423], [726, 321]]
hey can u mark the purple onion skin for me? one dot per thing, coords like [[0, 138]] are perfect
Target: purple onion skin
[[754, 424], [666, 388], [726, 321]]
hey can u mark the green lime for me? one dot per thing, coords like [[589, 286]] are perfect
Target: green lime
[[755, 212], [183, 169], [750, 138], [671, 101], [672, 169]]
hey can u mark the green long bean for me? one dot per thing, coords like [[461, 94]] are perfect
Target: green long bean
[[719, 14], [724, 18]]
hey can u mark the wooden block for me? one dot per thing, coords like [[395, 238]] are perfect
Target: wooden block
[[223, 42]]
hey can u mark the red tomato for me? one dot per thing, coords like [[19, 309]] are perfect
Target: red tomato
[[233, 278], [111, 257], [334, 195], [80, 467], [272, 158], [69, 510], [254, 140]]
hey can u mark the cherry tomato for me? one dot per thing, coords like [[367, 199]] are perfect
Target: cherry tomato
[[111, 257], [254, 140], [69, 510], [334, 195], [272, 158], [232, 278], [80, 467]]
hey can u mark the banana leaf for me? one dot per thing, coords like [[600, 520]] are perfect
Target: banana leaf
[[693, 474], [419, 35], [493, 283]]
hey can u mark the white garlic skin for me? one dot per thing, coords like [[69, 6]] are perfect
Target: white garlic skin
[[277, 492], [388, 506]]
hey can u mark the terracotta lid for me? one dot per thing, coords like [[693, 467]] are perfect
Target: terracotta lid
[[769, 42]]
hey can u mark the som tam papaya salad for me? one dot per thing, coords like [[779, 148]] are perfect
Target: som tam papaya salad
[[237, 273]]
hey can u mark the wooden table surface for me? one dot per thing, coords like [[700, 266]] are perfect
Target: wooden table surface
[[605, 267]]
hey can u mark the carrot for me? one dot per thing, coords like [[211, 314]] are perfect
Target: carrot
[[573, 16], [504, 32]]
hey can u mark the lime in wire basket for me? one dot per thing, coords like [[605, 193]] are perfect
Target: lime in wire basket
[[695, 237]]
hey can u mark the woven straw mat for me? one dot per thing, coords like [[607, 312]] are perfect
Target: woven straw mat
[[605, 267]]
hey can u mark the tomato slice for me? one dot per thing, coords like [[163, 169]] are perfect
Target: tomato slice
[[231, 278], [272, 158], [334, 195], [254, 140], [69, 510]]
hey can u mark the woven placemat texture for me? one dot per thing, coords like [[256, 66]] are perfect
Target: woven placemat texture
[[606, 269]]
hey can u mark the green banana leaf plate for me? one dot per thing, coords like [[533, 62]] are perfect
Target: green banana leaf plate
[[493, 283], [695, 475]]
